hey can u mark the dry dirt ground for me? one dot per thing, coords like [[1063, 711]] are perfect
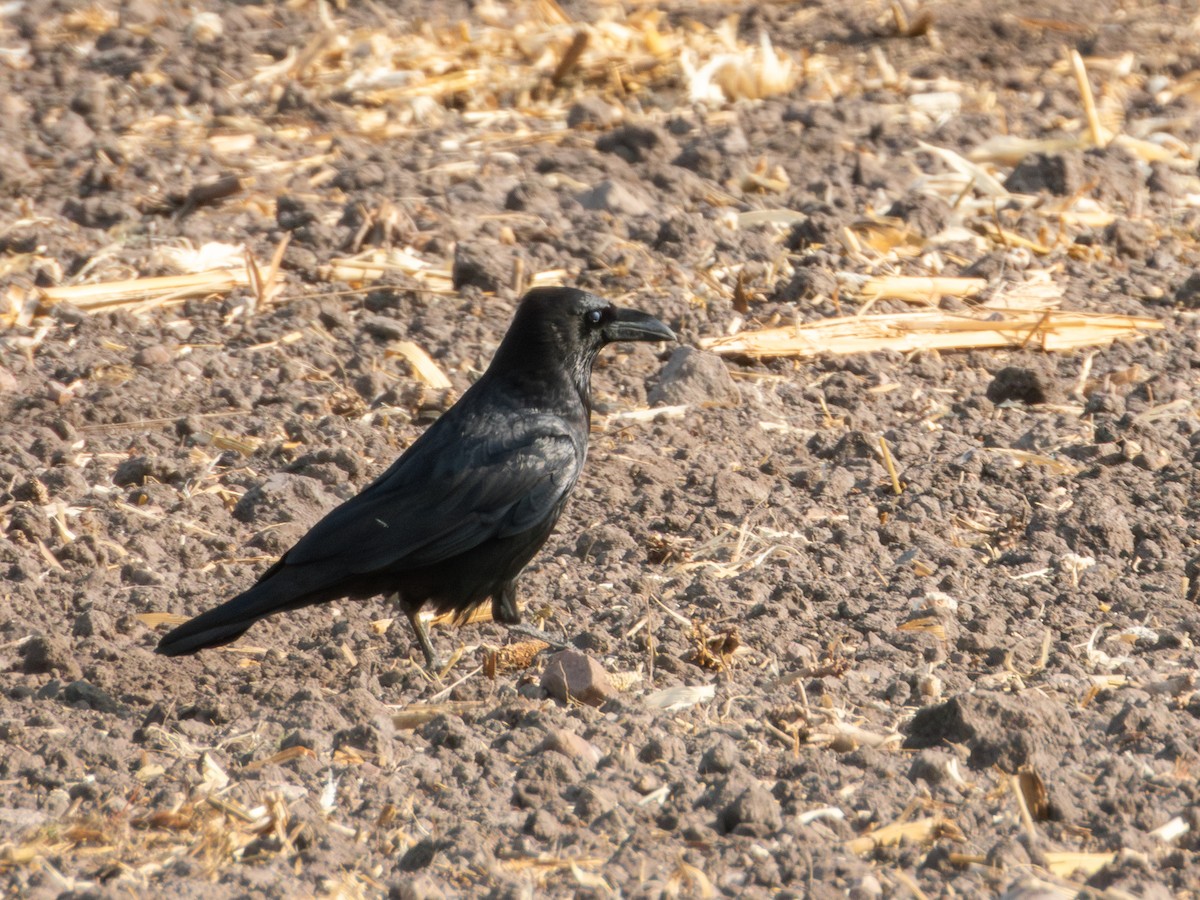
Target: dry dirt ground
[[928, 618]]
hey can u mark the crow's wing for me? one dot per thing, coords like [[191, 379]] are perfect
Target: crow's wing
[[447, 494]]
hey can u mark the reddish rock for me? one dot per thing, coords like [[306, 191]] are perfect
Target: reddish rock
[[571, 675], [585, 754]]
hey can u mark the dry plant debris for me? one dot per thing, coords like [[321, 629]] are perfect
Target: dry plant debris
[[512, 657], [511, 66], [994, 327], [713, 651]]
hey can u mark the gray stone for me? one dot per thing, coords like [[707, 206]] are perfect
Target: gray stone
[[754, 812], [611, 196], [696, 378]]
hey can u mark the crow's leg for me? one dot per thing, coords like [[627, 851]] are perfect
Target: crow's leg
[[504, 604], [413, 613], [506, 612]]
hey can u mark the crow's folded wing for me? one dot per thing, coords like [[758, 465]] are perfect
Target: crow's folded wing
[[446, 496]]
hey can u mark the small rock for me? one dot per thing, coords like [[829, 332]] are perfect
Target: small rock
[[542, 825], [638, 143], [487, 265], [152, 357], [733, 141], [91, 696], [282, 497], [571, 745], [1131, 239], [31, 491], [924, 214], [934, 767], [15, 172], [1015, 383], [1008, 855], [136, 470], [71, 131], [694, 377], [48, 653], [755, 812], [720, 757], [1152, 459], [1027, 888], [384, 327], [592, 113], [93, 623], [611, 196], [18, 821], [571, 675], [1041, 172], [868, 887], [422, 887], [1187, 294]]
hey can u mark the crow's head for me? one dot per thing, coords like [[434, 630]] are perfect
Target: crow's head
[[562, 329]]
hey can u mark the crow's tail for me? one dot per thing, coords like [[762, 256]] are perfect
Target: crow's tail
[[281, 588]]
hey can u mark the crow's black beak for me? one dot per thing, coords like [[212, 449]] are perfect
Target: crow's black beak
[[635, 325]]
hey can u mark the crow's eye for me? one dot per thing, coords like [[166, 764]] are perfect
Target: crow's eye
[[593, 316]]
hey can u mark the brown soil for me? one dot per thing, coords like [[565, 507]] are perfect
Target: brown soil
[[950, 689]]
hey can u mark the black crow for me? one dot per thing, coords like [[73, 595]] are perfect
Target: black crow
[[457, 517]]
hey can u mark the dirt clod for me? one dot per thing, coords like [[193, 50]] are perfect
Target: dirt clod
[[999, 730], [613, 197], [1015, 383], [49, 654], [754, 813], [693, 376]]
